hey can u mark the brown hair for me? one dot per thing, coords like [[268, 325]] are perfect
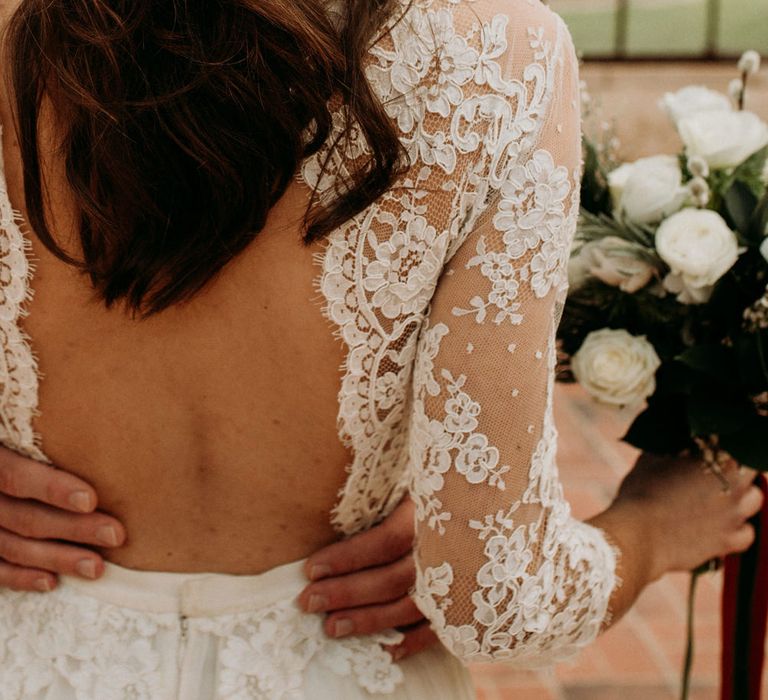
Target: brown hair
[[182, 122]]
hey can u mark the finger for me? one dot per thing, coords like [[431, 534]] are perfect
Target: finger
[[742, 539], [417, 639], [369, 587], [39, 521], [50, 556], [741, 476], [26, 478], [385, 543], [751, 502], [18, 578], [373, 618]]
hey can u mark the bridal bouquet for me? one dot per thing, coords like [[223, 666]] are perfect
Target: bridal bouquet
[[669, 299]]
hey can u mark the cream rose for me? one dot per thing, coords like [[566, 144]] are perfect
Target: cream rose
[[699, 248], [616, 367], [648, 190], [693, 100], [723, 138], [612, 260]]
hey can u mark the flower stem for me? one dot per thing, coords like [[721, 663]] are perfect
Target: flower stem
[[688, 663]]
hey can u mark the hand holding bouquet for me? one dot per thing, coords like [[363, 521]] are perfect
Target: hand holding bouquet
[[669, 306]]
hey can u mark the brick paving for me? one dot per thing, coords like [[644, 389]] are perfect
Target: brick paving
[[641, 656]]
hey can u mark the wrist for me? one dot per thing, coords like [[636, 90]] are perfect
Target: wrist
[[626, 526]]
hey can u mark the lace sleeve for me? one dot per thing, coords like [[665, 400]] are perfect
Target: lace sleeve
[[504, 571]]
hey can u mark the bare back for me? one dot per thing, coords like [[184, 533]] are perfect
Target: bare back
[[206, 429]]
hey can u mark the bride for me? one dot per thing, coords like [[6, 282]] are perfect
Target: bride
[[293, 262]]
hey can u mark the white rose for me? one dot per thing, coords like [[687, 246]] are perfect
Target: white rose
[[692, 100], [648, 190], [699, 248], [724, 139], [764, 249], [612, 260], [616, 367]]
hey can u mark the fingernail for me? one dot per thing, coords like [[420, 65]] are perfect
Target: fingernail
[[107, 535], [86, 568], [399, 653], [319, 571], [80, 500], [342, 628], [317, 603], [44, 585]]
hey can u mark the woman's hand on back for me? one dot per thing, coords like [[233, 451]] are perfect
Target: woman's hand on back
[[39, 507], [363, 584]]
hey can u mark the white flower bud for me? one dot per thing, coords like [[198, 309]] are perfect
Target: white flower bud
[[749, 62], [698, 167], [616, 367], [735, 89], [700, 192], [764, 249]]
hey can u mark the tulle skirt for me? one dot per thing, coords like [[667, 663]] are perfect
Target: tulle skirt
[[145, 635]]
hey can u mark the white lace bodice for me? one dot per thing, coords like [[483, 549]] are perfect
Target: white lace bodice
[[447, 293]]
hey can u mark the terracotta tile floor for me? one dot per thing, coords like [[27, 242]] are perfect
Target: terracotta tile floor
[[641, 656]]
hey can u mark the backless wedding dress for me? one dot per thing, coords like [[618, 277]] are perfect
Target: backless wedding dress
[[446, 292]]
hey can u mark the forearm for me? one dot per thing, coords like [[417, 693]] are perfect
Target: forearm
[[637, 563]]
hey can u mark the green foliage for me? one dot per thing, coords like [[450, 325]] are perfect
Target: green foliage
[[748, 444], [593, 227], [595, 195], [711, 364]]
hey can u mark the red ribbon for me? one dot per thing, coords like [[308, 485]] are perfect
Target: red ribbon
[[745, 613]]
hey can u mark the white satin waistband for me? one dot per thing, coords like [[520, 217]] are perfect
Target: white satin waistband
[[191, 595]]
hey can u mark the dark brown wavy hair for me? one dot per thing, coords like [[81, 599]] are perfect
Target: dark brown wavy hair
[[182, 122]]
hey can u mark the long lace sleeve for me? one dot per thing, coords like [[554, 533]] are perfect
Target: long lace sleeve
[[504, 571]]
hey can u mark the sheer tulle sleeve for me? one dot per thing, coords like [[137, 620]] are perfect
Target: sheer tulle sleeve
[[504, 571]]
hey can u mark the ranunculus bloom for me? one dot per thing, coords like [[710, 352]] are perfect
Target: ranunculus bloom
[[693, 99], [699, 248], [612, 260], [724, 139], [648, 190], [616, 367]]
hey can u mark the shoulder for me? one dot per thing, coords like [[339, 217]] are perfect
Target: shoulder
[[466, 47]]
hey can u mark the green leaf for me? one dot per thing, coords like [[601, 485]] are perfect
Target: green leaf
[[662, 428], [593, 227], [750, 171], [740, 204], [595, 195], [711, 413], [710, 359], [751, 361], [759, 224], [749, 444]]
